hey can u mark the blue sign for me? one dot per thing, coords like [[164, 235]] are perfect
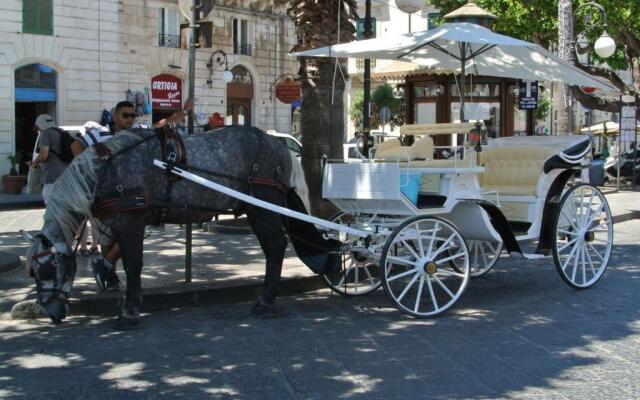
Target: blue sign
[[528, 95]]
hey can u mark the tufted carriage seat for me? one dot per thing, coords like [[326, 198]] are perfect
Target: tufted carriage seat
[[513, 170]]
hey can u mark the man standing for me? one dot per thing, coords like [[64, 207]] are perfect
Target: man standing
[[51, 165], [123, 117]]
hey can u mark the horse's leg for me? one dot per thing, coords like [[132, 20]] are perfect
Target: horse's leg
[[267, 226], [130, 241]]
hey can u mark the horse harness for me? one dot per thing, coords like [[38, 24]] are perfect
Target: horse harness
[[119, 199]]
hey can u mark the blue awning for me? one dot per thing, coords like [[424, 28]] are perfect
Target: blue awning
[[36, 94]]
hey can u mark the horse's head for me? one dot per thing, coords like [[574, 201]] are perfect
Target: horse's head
[[50, 262]]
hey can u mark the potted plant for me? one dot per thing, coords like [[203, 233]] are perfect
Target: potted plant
[[13, 183]]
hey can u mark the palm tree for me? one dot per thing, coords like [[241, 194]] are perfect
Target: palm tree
[[323, 116]]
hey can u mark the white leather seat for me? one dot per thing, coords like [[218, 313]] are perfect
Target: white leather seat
[[513, 170]]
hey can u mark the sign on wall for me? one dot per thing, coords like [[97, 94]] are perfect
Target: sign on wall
[[288, 90], [628, 124], [528, 95], [166, 92]]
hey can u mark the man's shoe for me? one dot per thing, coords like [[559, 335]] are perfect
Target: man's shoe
[[113, 282], [104, 275]]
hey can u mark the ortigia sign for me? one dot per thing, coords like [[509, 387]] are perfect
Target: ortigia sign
[[166, 92]]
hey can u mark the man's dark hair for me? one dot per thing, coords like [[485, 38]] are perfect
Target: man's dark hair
[[124, 104]]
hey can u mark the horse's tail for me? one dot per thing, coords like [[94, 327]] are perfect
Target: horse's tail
[[298, 182]]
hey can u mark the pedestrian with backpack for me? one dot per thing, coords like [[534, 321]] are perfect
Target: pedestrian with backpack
[[49, 158]]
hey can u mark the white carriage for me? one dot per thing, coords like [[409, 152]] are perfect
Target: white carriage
[[435, 223]]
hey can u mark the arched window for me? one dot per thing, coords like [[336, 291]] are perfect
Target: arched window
[[35, 82], [241, 75]]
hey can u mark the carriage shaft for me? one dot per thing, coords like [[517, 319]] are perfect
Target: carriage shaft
[[261, 203]]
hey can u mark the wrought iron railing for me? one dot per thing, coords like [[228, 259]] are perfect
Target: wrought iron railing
[[244, 49], [168, 40]]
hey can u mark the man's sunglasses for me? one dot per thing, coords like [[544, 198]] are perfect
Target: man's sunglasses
[[128, 115]]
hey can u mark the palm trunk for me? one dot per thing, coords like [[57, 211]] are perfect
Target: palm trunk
[[322, 124]]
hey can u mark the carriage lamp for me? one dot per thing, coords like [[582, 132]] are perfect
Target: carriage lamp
[[219, 60], [604, 46]]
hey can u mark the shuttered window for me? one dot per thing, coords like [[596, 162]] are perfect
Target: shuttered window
[[37, 17]]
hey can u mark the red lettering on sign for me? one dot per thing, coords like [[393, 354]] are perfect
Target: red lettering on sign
[[288, 91]]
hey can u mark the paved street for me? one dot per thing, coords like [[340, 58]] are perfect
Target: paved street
[[518, 333]]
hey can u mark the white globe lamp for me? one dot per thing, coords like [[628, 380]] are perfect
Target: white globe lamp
[[227, 76], [410, 6], [604, 46]]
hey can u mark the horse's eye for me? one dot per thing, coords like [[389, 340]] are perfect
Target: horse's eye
[[52, 249]]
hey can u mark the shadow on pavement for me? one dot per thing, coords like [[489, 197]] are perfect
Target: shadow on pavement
[[519, 332]]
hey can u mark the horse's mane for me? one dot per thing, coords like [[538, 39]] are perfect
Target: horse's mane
[[73, 191]]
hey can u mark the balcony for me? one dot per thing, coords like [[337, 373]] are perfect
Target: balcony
[[168, 40], [244, 49]]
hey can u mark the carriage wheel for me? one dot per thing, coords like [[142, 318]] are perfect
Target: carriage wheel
[[483, 255], [359, 275], [417, 273], [583, 236]]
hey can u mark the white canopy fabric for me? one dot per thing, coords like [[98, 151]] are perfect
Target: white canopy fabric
[[486, 53]]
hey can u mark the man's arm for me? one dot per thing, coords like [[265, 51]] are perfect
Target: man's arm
[[77, 147], [42, 156], [175, 117]]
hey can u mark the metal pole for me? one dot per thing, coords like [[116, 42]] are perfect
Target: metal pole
[[463, 60], [366, 106], [191, 96], [409, 14], [619, 145]]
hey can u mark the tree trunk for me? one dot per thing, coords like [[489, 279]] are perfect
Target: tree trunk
[[562, 104], [322, 124]]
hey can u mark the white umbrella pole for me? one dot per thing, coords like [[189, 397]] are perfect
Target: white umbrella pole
[[463, 60]]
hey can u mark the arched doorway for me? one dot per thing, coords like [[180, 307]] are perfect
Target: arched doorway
[[239, 97], [35, 94]]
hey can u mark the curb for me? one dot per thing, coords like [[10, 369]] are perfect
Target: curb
[[626, 217], [106, 304]]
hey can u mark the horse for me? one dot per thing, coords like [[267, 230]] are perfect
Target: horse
[[117, 185]]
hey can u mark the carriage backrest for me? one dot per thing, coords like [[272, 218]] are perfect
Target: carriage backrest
[[514, 169]]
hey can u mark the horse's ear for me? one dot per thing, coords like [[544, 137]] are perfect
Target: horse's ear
[[27, 236]]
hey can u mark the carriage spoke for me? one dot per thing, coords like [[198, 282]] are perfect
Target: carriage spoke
[[570, 219], [400, 260], [419, 295], [411, 282], [433, 296], [450, 273], [596, 251], [593, 270], [575, 263], [588, 211], [442, 247], [572, 233], [432, 239], [370, 277], [400, 275], [410, 248], [419, 239], [485, 259], [584, 267], [571, 253], [443, 286], [457, 255], [567, 245], [356, 279]]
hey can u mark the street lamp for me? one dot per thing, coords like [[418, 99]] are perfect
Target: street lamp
[[604, 45], [221, 58], [410, 7]]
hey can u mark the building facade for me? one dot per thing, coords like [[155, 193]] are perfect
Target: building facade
[[73, 59]]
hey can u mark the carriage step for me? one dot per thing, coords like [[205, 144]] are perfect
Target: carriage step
[[527, 256]]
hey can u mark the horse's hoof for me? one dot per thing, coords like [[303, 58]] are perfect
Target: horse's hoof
[[56, 310], [265, 310], [127, 324]]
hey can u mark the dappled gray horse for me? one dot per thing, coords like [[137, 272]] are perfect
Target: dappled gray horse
[[118, 183]]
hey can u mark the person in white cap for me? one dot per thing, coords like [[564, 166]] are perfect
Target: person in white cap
[[51, 165]]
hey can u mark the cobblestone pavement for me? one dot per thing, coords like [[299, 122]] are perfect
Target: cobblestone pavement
[[518, 333]]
